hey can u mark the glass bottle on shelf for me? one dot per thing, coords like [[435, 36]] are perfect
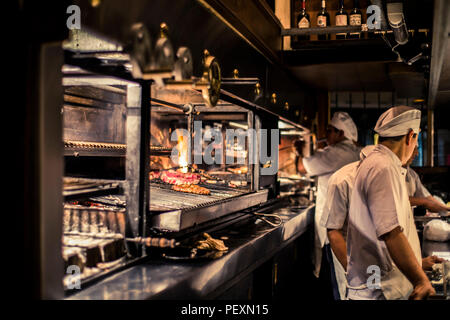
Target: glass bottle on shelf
[[303, 21], [323, 21], [355, 20], [341, 20]]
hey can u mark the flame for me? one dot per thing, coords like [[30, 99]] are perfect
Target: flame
[[182, 147]]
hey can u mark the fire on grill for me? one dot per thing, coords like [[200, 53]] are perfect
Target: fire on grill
[[185, 192]]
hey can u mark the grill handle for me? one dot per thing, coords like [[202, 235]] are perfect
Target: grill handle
[[154, 242]]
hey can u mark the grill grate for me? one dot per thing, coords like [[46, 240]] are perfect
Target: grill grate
[[162, 197]]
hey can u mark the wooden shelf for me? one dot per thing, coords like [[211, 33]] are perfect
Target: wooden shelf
[[335, 51]]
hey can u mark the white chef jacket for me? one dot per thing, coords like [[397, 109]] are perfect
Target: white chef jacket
[[414, 185], [335, 213], [379, 203], [340, 185], [323, 164]]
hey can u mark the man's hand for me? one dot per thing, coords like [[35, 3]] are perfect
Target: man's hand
[[404, 258], [338, 245], [422, 291], [428, 262], [434, 206]]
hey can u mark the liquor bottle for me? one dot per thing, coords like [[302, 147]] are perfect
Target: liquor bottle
[[303, 21], [355, 20], [341, 19], [323, 20]]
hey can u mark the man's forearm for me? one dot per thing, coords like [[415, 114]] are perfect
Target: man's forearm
[[430, 203], [338, 246], [416, 201], [435, 206], [403, 256]]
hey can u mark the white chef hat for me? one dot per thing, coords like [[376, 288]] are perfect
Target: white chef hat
[[343, 121], [365, 151], [397, 121]]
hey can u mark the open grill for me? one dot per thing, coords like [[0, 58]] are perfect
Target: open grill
[[175, 211], [162, 198]]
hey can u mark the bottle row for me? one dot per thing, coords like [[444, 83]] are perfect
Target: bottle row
[[342, 18]]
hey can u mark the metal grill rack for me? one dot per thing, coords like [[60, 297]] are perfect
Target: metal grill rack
[[176, 211]]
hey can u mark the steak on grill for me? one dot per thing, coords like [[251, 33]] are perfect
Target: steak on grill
[[179, 178]]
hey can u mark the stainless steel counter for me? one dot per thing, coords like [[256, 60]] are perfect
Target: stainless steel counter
[[428, 247], [249, 246]]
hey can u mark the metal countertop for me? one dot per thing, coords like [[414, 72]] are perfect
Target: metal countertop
[[428, 247], [249, 246]]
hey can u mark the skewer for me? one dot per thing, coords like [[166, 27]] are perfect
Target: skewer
[[154, 242]]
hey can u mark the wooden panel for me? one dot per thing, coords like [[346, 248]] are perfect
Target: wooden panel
[[369, 76], [283, 12], [253, 20], [111, 94], [94, 114]]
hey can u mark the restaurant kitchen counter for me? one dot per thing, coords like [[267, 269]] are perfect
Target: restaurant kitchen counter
[[439, 274], [428, 246], [434, 247], [250, 243]]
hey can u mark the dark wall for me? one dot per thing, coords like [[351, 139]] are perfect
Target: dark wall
[[192, 25], [34, 23]]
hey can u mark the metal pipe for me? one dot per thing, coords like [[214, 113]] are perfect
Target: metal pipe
[[327, 30], [397, 22], [187, 108], [430, 138]]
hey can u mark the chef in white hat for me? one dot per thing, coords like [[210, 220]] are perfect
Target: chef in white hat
[[335, 212], [341, 150], [383, 249], [335, 215]]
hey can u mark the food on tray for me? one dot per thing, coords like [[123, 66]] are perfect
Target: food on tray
[[179, 178], [154, 175], [191, 188], [209, 243], [219, 172], [239, 170], [238, 183]]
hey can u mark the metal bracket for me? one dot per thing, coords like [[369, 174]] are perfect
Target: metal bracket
[[212, 76]]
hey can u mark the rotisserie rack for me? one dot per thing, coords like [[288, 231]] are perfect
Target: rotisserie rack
[[220, 188]]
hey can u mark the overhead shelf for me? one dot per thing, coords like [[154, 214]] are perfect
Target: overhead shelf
[[327, 30], [333, 51]]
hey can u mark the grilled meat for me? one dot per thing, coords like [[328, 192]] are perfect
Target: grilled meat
[[191, 188], [211, 244], [179, 178]]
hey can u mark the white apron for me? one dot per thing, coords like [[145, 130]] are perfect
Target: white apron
[[323, 164]]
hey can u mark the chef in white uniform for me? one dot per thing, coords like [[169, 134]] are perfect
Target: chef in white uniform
[[383, 249], [335, 215], [342, 135], [418, 194]]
